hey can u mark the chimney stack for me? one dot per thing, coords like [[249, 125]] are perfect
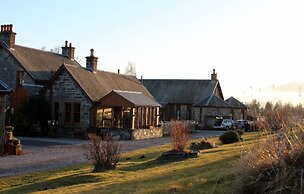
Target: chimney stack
[[7, 35], [68, 51], [214, 76], [92, 62]]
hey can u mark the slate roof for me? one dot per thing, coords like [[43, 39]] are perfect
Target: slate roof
[[39, 63], [98, 84], [4, 88], [135, 98], [212, 101], [181, 91], [236, 103]]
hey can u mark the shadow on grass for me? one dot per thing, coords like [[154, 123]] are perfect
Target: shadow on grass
[[156, 162], [211, 151], [54, 183], [215, 177]]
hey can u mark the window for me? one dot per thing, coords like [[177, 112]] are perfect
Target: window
[[68, 113], [76, 112], [19, 77]]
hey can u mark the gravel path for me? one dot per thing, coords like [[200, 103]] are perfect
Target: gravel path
[[46, 153]]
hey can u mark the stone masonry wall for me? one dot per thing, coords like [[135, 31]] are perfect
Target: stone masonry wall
[[66, 90], [9, 67], [146, 133]]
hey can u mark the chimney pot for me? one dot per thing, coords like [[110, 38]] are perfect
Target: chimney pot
[[214, 75], [91, 62], [7, 35], [11, 27], [92, 52], [68, 50]]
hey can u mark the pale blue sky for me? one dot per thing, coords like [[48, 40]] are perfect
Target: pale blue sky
[[250, 43]]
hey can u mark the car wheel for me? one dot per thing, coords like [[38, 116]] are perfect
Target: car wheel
[[227, 128]]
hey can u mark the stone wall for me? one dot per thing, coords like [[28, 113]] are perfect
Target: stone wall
[[9, 67], [117, 134], [146, 133], [64, 90]]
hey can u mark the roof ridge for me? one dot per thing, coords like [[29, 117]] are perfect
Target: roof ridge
[[37, 49], [178, 80], [102, 71], [48, 52], [125, 91]]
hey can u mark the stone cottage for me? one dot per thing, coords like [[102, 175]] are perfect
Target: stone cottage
[[84, 98], [28, 67], [198, 100]]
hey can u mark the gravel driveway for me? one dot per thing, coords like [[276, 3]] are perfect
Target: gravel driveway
[[50, 153]]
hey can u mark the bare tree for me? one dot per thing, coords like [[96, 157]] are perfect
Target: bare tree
[[131, 69], [56, 49], [178, 136], [103, 154]]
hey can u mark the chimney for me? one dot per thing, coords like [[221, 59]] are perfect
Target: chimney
[[214, 76], [7, 35], [141, 80], [92, 62], [118, 71], [68, 50]]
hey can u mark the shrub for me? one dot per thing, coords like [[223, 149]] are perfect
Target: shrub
[[229, 137], [204, 144], [103, 154], [178, 136], [275, 165]]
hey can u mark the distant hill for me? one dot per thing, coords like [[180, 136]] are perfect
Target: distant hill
[[289, 87]]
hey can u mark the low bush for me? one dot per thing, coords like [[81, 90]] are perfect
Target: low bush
[[229, 137], [179, 136], [104, 154], [275, 165], [204, 144]]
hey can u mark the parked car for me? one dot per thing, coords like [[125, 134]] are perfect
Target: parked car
[[225, 124], [242, 124]]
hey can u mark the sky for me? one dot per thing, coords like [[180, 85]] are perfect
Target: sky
[[251, 44]]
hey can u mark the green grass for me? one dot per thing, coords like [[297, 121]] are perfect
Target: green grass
[[211, 172]]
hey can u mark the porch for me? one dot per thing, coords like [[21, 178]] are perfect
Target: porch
[[128, 114]]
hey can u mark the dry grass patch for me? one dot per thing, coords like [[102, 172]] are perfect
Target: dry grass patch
[[275, 164], [212, 172]]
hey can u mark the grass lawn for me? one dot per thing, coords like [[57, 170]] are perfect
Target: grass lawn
[[211, 172]]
